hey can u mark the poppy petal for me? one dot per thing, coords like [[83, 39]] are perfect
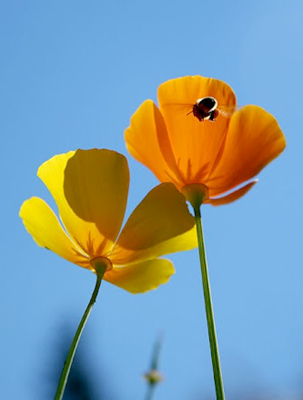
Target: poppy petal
[[90, 188], [195, 144], [43, 225], [161, 224], [232, 196], [147, 140], [254, 139], [141, 277]]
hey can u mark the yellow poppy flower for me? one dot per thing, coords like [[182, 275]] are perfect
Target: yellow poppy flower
[[223, 155], [90, 188]]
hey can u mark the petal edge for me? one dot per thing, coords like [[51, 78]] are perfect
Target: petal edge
[[160, 224], [43, 225], [141, 277]]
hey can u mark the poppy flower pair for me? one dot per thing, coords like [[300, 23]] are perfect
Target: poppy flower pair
[[221, 157]]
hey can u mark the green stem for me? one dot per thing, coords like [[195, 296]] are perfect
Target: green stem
[[69, 359], [153, 377], [209, 309], [150, 392]]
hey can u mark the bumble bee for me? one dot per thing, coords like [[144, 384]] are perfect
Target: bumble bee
[[207, 108]]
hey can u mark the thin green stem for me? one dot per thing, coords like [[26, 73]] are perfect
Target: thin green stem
[[209, 309], [69, 359], [150, 392], [153, 377]]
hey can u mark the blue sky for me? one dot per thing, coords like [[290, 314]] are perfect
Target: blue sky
[[71, 75]]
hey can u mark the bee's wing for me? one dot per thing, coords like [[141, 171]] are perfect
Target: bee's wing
[[227, 111]]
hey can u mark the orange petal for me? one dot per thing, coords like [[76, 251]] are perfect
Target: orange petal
[[219, 201], [139, 278], [147, 140], [90, 188], [42, 223], [195, 144], [254, 139], [161, 224]]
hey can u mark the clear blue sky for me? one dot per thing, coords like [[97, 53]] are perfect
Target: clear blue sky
[[71, 75]]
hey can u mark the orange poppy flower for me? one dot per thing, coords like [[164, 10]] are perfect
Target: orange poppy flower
[[221, 156], [90, 188]]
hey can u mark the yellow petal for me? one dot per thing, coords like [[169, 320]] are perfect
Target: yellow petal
[[219, 201], [147, 140], [161, 224], [195, 144], [90, 188], [254, 139], [42, 223], [139, 278]]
